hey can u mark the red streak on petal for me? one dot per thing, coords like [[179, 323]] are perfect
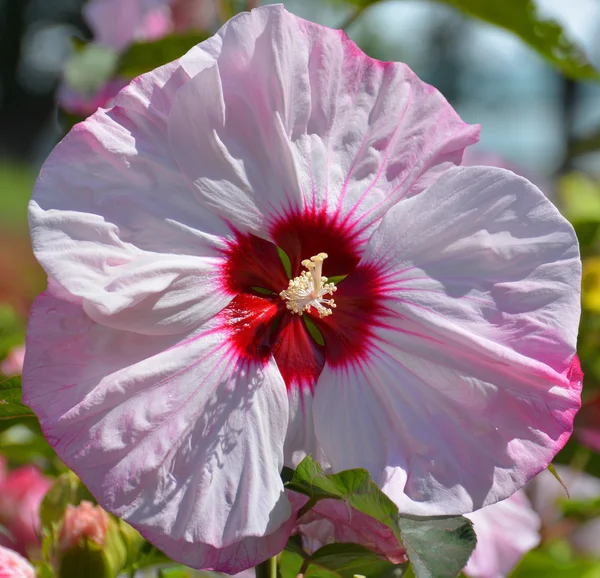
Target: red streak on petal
[[260, 327], [253, 262], [349, 331], [302, 235], [299, 358], [249, 320]]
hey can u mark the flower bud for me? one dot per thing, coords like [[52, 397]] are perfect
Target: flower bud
[[92, 543], [83, 521], [13, 565], [13, 364], [21, 492]]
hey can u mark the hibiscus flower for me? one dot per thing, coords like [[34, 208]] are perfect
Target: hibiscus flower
[[265, 249]]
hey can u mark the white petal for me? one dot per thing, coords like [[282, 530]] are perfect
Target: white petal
[[300, 439], [506, 531], [462, 392], [115, 222], [293, 116], [175, 435]]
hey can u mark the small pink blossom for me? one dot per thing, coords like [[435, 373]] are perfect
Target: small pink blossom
[[80, 104], [178, 391], [83, 521], [116, 24], [13, 565], [505, 531], [21, 492], [13, 364]]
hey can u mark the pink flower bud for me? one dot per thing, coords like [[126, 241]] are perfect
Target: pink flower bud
[[21, 492], [83, 521], [13, 364], [13, 565]]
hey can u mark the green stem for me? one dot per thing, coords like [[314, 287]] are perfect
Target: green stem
[[267, 569], [307, 507], [410, 573]]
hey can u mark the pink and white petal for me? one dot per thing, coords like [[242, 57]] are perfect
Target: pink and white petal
[[300, 440], [174, 434], [295, 117], [115, 222], [332, 521], [506, 531], [462, 392]]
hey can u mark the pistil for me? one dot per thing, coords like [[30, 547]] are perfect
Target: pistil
[[309, 289]]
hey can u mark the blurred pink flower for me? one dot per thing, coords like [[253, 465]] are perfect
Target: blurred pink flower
[[333, 521], [13, 364], [506, 531], [13, 565], [442, 367], [21, 492], [546, 491], [84, 520], [116, 24]]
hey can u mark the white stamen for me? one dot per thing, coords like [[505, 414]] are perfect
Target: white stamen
[[308, 289]]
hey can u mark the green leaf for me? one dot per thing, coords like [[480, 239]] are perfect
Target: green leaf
[[545, 36], [437, 547], [285, 260], [336, 279], [10, 400], [553, 471], [347, 560], [290, 563], [145, 56], [313, 330]]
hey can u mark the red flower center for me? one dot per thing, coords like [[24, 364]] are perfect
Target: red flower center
[[260, 325]]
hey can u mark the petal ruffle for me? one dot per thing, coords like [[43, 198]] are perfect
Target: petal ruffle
[[115, 222], [176, 435], [506, 531], [283, 116], [332, 521], [461, 392]]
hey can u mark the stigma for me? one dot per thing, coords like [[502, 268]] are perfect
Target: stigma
[[308, 290]]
